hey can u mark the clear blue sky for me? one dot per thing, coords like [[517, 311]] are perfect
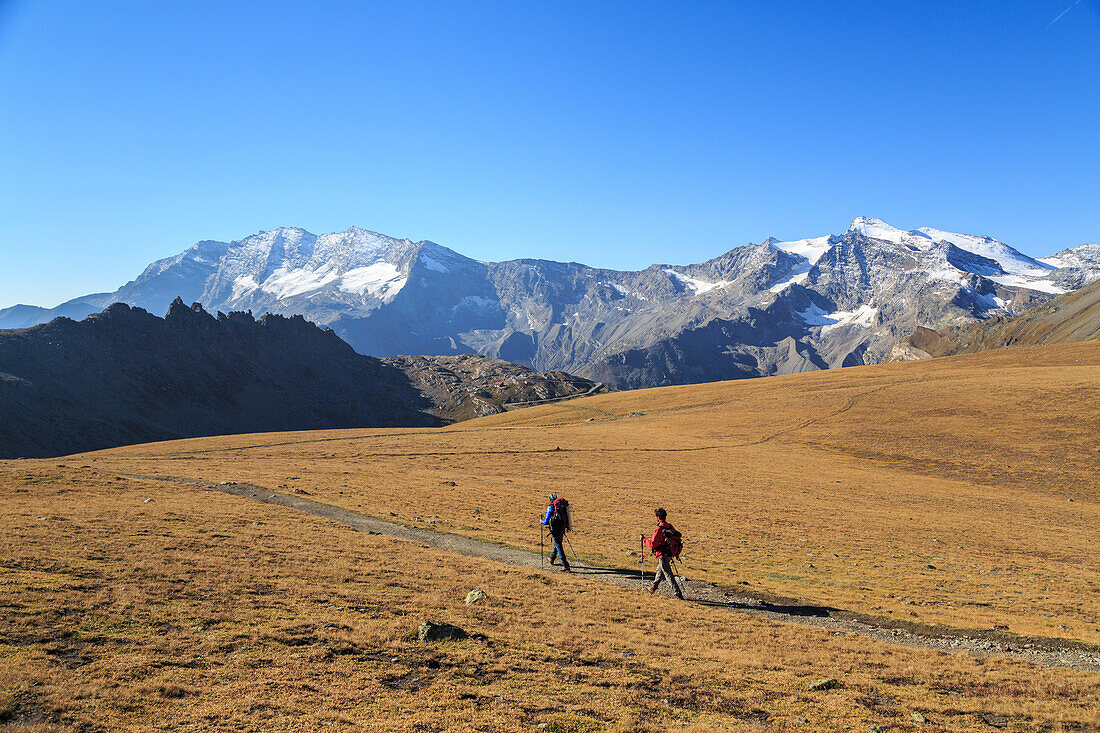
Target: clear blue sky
[[617, 134]]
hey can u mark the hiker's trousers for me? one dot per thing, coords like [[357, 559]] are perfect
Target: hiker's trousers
[[664, 572], [558, 550]]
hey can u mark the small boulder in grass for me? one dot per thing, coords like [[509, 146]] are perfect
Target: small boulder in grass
[[825, 683], [431, 631], [918, 718], [475, 596]]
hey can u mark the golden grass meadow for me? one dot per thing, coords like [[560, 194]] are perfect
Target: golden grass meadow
[[960, 492]]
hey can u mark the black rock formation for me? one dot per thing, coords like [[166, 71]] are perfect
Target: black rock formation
[[125, 376]]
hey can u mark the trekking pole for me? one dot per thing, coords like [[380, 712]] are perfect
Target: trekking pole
[[641, 556], [575, 558], [679, 567], [542, 553]]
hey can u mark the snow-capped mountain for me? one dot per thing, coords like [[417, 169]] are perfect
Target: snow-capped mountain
[[759, 309]]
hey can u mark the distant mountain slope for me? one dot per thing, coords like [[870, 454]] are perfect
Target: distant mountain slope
[[1071, 317], [760, 309], [125, 376]]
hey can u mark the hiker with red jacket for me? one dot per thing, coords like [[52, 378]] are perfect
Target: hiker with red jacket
[[557, 521], [666, 545]]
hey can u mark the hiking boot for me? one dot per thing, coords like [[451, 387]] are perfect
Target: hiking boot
[[567, 569], [653, 589]]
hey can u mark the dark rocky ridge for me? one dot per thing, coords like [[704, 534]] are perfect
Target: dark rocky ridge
[[125, 376]]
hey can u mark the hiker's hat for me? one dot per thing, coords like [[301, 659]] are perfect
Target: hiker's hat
[[553, 496]]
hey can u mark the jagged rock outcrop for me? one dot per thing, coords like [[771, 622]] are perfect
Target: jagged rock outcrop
[[470, 385], [125, 376]]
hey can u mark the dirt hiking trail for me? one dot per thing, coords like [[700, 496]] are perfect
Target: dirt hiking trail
[[1042, 651]]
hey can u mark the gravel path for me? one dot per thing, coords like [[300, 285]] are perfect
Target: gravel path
[[1043, 651]]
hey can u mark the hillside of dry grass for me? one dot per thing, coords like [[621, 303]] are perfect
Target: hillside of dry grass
[[136, 606], [837, 487]]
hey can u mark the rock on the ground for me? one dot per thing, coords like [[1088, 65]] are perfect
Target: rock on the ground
[[825, 683], [431, 631], [475, 596]]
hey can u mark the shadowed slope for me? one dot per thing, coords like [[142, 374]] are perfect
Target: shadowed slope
[[125, 376]]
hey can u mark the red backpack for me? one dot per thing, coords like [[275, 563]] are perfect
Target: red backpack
[[674, 541], [559, 520]]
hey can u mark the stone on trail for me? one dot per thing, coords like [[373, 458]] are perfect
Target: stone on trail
[[431, 631], [918, 718], [475, 596], [825, 683]]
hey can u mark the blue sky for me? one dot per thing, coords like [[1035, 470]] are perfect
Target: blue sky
[[617, 134]]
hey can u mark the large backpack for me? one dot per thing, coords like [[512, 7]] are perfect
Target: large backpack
[[559, 520], [674, 542]]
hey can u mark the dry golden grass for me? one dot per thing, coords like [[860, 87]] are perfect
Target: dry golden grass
[[837, 487], [200, 611]]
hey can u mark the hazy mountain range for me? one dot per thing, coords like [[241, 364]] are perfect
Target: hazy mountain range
[[759, 309]]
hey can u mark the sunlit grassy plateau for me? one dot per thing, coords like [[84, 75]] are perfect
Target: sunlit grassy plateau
[[961, 492]]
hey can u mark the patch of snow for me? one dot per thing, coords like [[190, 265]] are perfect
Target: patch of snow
[[474, 302], [243, 284], [381, 280], [812, 249], [1015, 281], [949, 273], [286, 282], [991, 302], [433, 264], [1053, 261], [698, 287], [615, 286], [815, 316], [796, 277]]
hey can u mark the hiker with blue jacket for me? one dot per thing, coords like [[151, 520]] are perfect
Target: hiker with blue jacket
[[666, 544], [557, 522]]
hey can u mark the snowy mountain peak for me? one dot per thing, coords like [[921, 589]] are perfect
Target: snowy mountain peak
[[878, 229]]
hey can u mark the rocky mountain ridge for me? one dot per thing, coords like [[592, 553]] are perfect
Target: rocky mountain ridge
[[760, 309], [125, 376]]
